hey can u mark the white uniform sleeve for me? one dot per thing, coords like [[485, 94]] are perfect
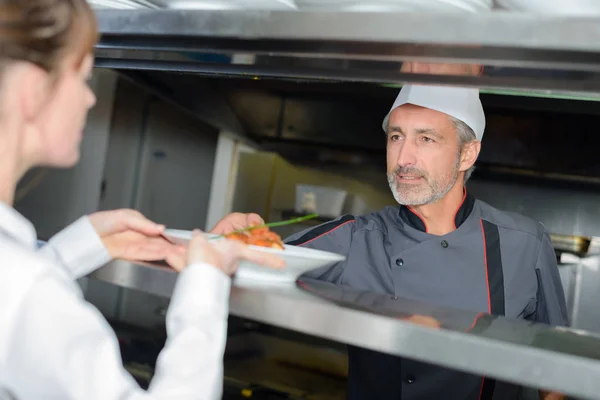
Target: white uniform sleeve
[[77, 248], [62, 347]]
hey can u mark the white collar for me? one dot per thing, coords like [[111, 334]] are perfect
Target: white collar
[[13, 224]]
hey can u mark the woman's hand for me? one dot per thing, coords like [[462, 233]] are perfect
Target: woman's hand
[[129, 235]]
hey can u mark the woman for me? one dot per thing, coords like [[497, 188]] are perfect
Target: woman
[[53, 345]]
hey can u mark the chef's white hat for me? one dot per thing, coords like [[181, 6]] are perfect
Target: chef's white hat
[[458, 102]]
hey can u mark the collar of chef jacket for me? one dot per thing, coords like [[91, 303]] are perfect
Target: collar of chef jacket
[[413, 219], [16, 226]]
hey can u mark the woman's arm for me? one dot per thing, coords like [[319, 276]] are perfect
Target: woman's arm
[[61, 347]]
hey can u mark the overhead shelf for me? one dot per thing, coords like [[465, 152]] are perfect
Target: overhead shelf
[[541, 53], [497, 29]]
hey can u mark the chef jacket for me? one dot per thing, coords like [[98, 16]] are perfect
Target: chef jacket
[[495, 262], [55, 345]]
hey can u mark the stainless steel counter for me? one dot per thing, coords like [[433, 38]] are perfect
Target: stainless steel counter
[[514, 351]]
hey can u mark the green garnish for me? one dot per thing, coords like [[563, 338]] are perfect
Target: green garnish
[[273, 224]]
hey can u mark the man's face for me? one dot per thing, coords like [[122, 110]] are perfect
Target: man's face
[[423, 155]]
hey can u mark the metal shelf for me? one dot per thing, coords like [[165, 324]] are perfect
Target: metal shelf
[[532, 52], [515, 351], [511, 31]]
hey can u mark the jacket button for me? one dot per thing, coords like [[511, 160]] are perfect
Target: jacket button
[[444, 244], [410, 379], [399, 262]]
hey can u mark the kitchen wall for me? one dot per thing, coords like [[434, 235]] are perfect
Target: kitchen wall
[[229, 148], [570, 211], [266, 184], [159, 160]]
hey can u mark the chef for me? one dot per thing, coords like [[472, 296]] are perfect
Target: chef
[[438, 245]]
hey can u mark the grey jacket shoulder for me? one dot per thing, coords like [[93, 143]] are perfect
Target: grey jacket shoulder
[[378, 220], [509, 220], [341, 229]]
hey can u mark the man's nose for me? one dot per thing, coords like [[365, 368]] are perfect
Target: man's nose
[[407, 155]]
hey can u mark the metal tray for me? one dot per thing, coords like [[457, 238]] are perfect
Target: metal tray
[[579, 245]]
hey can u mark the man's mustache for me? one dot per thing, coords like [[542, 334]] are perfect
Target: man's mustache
[[413, 171]]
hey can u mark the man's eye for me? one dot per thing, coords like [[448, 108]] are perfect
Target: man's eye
[[394, 138], [427, 139]]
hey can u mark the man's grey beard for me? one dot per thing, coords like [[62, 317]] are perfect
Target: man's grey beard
[[436, 193]]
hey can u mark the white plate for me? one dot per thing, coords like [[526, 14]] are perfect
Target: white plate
[[298, 260]]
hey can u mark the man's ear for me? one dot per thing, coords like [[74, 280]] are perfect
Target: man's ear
[[469, 154]]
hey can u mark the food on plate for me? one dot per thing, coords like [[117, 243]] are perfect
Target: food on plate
[[263, 236], [424, 320], [258, 236]]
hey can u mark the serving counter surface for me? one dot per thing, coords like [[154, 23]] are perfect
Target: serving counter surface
[[516, 351]]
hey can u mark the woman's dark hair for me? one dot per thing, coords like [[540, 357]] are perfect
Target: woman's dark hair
[[45, 32]]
